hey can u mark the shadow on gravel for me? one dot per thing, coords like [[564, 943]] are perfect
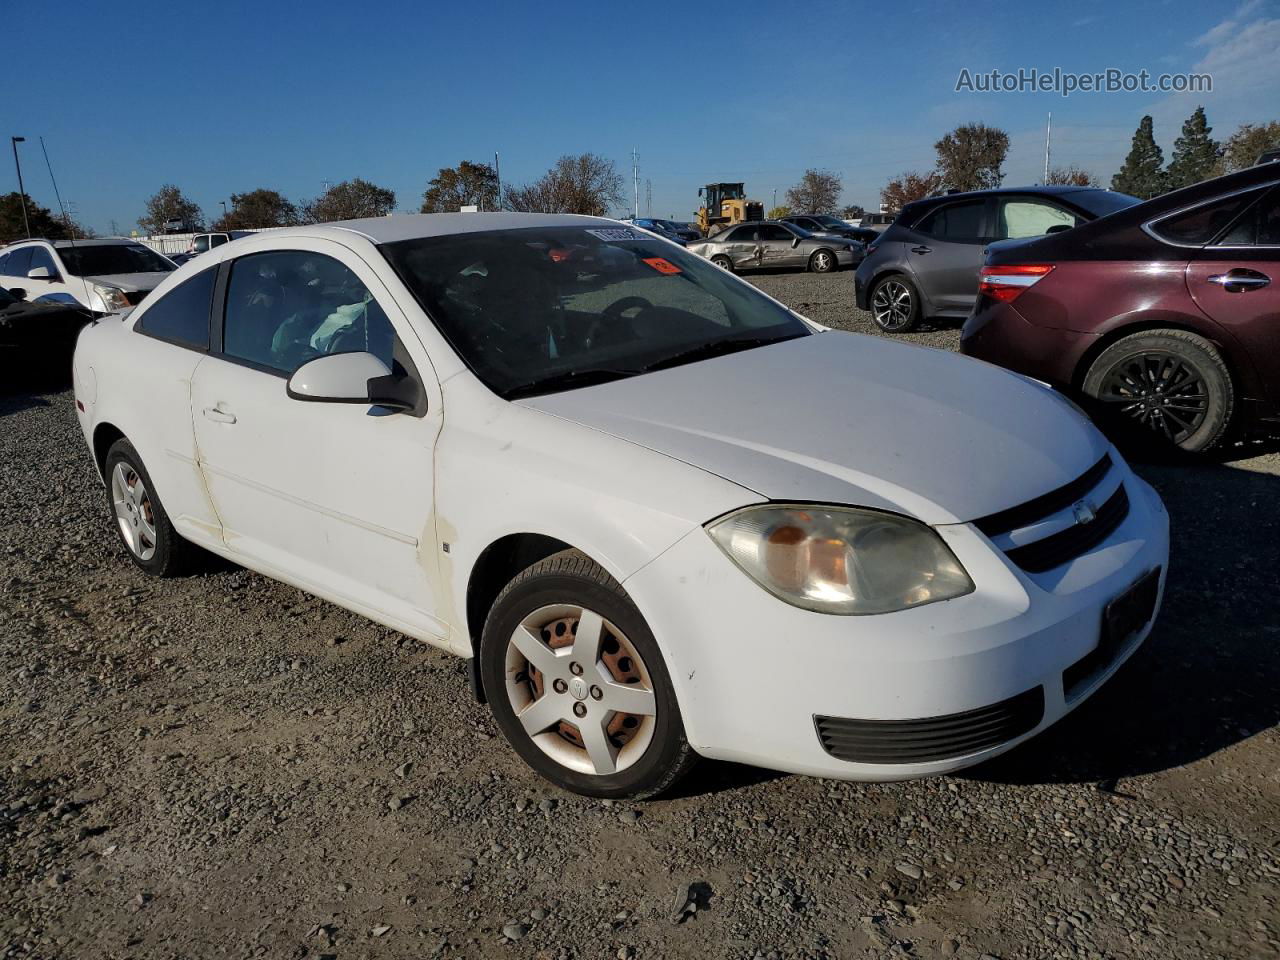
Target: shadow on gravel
[[715, 776], [1207, 677], [21, 387]]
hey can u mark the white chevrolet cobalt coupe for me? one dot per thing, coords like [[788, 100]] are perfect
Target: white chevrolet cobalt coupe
[[663, 515]]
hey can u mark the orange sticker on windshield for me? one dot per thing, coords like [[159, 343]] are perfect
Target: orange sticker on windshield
[[662, 265]]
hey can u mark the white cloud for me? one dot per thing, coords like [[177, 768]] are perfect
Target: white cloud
[[1240, 55]]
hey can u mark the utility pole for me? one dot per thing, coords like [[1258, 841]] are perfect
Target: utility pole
[[224, 208], [775, 198], [22, 191], [635, 171], [1048, 132], [648, 197], [497, 172]]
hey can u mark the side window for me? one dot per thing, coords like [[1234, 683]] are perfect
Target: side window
[[40, 258], [741, 235], [959, 222], [181, 316], [217, 240], [18, 261], [1031, 218], [1260, 227], [772, 232], [4, 265], [201, 243], [287, 307], [1199, 225]]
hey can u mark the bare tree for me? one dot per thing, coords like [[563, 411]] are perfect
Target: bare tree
[[971, 155], [349, 200], [817, 192], [1072, 176], [910, 187], [586, 184]]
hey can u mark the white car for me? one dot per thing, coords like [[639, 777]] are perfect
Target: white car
[[103, 276], [663, 515]]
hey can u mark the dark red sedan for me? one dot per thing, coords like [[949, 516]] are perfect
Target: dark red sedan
[[1165, 315]]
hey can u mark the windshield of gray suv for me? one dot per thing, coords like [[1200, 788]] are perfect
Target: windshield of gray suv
[[543, 309], [105, 259]]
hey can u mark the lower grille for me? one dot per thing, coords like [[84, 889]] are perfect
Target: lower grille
[[934, 738], [1065, 546]]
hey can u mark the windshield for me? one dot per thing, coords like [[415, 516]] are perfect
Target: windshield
[[105, 259], [1101, 202], [827, 221], [542, 309]]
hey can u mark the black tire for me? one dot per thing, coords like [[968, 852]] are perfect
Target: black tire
[[1167, 386], [570, 578], [723, 262], [895, 314], [823, 261], [169, 554]]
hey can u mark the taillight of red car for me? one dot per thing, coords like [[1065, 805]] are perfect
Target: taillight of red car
[[1006, 283]]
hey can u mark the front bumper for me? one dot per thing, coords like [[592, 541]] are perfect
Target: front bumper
[[755, 676]]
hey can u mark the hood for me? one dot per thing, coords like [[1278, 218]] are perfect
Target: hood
[[131, 282], [845, 418]]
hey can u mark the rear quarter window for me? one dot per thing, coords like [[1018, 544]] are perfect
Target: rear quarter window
[[181, 316]]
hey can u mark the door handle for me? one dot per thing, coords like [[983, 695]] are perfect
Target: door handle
[[922, 249], [219, 416], [1240, 281]]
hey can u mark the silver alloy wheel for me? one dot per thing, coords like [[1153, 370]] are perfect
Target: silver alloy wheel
[[891, 304], [580, 689], [822, 261], [134, 512]]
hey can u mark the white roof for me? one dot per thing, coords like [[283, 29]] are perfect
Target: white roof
[[411, 226]]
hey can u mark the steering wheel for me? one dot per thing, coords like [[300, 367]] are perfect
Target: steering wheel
[[612, 314]]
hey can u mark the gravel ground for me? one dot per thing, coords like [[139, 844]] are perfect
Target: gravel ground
[[222, 766]]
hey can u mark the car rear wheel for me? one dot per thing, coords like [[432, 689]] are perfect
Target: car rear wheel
[[895, 305], [723, 262], [1169, 385], [577, 683], [140, 518], [822, 261]]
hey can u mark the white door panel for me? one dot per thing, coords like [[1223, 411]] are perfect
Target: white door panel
[[339, 494]]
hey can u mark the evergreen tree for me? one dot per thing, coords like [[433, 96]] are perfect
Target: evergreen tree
[[1195, 153], [1142, 175]]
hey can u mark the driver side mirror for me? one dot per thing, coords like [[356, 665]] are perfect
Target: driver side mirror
[[795, 242], [39, 273], [352, 378]]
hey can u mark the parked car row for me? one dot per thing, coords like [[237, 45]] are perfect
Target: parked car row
[[1163, 316], [778, 243], [659, 513]]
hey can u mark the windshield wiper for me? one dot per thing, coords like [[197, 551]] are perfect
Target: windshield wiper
[[569, 380], [717, 348]]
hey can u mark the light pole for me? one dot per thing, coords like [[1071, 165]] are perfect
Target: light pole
[[224, 208], [22, 191]]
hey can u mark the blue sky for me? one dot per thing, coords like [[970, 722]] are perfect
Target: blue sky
[[222, 97]]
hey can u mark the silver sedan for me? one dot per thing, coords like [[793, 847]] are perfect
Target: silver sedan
[[757, 245]]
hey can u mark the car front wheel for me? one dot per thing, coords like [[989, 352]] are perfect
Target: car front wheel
[[577, 683], [822, 261], [1171, 385]]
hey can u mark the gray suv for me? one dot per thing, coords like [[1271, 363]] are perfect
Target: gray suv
[[926, 262]]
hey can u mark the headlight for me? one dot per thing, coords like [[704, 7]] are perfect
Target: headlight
[[841, 559], [112, 297]]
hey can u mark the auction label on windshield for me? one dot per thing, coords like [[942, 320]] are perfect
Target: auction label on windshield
[[662, 265], [615, 234]]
